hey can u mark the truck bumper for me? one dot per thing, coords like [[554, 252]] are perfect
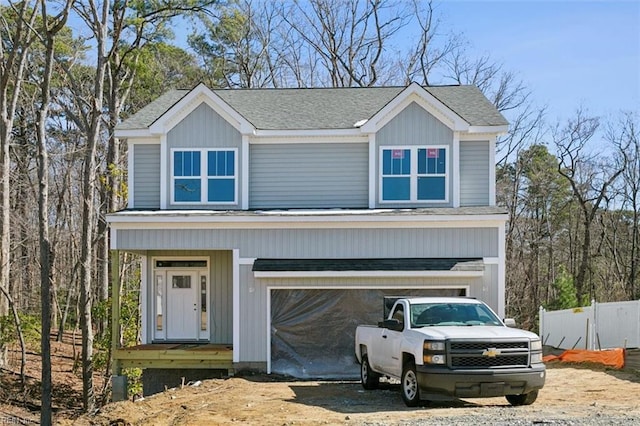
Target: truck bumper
[[441, 382]]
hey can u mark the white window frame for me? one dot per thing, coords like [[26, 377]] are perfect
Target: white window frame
[[204, 178], [413, 176]]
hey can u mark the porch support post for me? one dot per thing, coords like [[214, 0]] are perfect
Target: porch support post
[[115, 311]]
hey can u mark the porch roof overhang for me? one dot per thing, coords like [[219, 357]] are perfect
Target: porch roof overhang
[[312, 218], [387, 267]]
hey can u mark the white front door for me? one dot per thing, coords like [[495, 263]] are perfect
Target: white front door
[[182, 305]]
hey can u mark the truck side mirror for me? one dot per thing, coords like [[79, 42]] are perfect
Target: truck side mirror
[[510, 322], [391, 324]]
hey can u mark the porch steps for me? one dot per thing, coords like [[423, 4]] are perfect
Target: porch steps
[[178, 355]]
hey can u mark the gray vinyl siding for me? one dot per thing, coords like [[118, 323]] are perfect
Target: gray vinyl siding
[[146, 176], [320, 243], [474, 173], [414, 126], [221, 317], [221, 290], [253, 293], [204, 128], [253, 318], [309, 175], [489, 290]]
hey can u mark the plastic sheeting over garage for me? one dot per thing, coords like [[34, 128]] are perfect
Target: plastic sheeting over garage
[[313, 330]]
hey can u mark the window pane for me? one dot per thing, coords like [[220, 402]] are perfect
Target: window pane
[[431, 188], [187, 190], [186, 163], [181, 281], [441, 166], [431, 165], [422, 161], [177, 163], [231, 166], [221, 166], [395, 188], [432, 161], [195, 163], [221, 190], [159, 288], [203, 303], [386, 162], [220, 163], [396, 162], [212, 163], [401, 161]]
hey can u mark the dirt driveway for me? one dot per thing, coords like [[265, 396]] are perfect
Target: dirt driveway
[[571, 394]]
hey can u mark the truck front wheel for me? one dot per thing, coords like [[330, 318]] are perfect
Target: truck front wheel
[[523, 399], [370, 379], [409, 384]]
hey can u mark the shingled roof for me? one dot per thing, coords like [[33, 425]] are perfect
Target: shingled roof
[[389, 264], [322, 108]]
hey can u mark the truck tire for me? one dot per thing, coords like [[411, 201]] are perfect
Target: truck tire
[[523, 399], [370, 379], [409, 385]]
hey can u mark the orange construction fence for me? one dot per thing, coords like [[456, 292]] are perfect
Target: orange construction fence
[[610, 357]]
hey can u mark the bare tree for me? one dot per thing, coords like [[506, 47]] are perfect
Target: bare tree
[[625, 134], [428, 53], [590, 176], [50, 28], [349, 37], [97, 19], [15, 42]]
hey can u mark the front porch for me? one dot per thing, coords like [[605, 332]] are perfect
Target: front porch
[[176, 356]]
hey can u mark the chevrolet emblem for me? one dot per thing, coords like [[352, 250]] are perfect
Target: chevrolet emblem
[[491, 352]]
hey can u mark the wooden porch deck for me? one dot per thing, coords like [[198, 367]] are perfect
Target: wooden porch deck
[[176, 355]]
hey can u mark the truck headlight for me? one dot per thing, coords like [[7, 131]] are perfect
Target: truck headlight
[[536, 358], [435, 359], [433, 346], [536, 345]]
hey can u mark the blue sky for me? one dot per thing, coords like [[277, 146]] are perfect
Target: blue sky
[[570, 53]]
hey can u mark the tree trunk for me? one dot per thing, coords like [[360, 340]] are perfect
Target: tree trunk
[[89, 219], [13, 54], [16, 321], [43, 206]]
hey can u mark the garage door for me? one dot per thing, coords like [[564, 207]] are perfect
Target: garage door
[[313, 330]]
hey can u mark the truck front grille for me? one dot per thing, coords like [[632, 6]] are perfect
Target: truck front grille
[[463, 346], [473, 354]]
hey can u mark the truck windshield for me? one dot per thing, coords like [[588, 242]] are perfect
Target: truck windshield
[[468, 314]]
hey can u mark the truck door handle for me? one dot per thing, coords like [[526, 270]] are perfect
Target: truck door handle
[[384, 336]]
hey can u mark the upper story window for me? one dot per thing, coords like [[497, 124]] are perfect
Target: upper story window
[[204, 176], [414, 174]]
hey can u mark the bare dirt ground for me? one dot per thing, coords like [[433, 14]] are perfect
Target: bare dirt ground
[[572, 395]]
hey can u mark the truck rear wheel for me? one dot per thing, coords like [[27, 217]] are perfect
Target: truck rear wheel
[[523, 399], [409, 385], [370, 379]]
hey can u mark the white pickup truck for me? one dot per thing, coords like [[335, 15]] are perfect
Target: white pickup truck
[[450, 347]]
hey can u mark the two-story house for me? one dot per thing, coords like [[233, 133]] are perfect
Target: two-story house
[[271, 222]]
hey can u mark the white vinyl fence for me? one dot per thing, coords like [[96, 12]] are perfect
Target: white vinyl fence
[[599, 326]]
